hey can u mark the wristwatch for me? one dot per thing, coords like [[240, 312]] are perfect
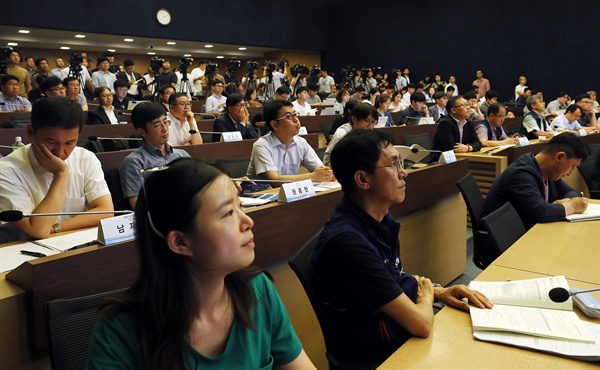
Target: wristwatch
[[56, 227]]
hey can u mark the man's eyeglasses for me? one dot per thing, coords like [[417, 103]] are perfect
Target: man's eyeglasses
[[289, 116], [157, 125], [183, 105], [58, 88], [397, 163]]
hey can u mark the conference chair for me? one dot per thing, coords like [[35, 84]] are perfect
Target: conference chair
[[321, 152], [586, 168], [107, 145], [113, 180], [504, 227], [301, 265], [423, 140], [70, 324], [471, 193], [234, 167], [326, 128]]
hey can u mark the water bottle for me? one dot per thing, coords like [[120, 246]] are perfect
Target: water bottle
[[18, 143]]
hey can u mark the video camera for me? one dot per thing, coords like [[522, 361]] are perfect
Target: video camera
[[283, 63], [313, 77], [75, 64], [156, 64], [5, 52], [271, 66], [211, 69], [251, 66], [299, 69], [184, 64]]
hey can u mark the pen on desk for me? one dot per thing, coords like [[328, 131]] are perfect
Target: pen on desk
[[33, 254], [45, 246], [88, 244]]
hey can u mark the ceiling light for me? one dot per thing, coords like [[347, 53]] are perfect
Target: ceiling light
[[151, 53], [65, 48], [80, 36], [128, 40], [242, 48], [220, 57], [12, 44], [171, 43], [187, 55], [208, 46], [111, 50], [24, 31]]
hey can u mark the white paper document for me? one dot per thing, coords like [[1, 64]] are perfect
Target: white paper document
[[591, 213]]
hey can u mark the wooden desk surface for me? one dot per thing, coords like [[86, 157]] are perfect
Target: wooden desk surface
[[571, 249], [452, 346]]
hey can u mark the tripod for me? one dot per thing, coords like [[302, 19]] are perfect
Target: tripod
[[270, 89], [185, 86], [75, 71]]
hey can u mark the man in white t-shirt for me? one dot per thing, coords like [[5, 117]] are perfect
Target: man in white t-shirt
[[301, 105], [196, 77], [325, 84]]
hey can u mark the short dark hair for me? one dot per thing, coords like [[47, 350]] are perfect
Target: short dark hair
[[99, 90], [340, 93], [359, 150], [411, 85], [451, 88], [494, 109], [363, 111], [490, 94], [144, 113], [39, 60], [8, 77], [108, 53], [580, 97], [527, 89], [359, 88], [301, 89], [233, 99], [128, 63], [439, 95], [216, 81], [56, 111], [271, 111], [49, 83], [69, 79], [561, 94], [164, 87], [173, 97], [283, 90], [120, 83], [572, 108], [418, 97], [313, 87], [452, 102], [568, 143], [101, 59]]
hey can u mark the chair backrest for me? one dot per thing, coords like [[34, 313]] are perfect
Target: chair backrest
[[234, 167], [70, 324], [113, 180], [473, 198], [423, 140], [326, 128], [504, 227], [321, 152]]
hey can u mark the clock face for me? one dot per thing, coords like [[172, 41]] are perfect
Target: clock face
[[163, 17]]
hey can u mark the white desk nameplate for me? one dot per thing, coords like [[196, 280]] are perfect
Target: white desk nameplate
[[116, 229], [522, 141], [582, 132], [447, 157], [294, 191], [229, 137]]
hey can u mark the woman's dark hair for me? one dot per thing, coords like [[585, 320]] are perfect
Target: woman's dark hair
[[163, 298], [381, 99], [340, 93], [396, 92], [249, 92]]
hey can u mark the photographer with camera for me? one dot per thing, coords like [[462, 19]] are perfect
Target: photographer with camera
[[210, 75], [197, 75], [183, 82], [300, 73], [230, 83]]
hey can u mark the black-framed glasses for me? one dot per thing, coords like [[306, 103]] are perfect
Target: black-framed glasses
[[150, 170], [157, 125], [397, 163], [289, 116]]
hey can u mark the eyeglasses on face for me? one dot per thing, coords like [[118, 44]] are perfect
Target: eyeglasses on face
[[184, 104], [289, 116], [397, 163], [157, 125]]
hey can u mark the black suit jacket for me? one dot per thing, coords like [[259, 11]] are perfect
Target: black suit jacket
[[224, 123], [98, 116], [447, 135]]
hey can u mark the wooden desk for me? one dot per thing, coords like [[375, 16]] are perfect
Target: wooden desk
[[452, 346]]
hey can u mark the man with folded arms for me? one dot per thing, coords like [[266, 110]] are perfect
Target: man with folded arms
[[52, 175], [588, 115], [151, 123], [236, 118], [279, 154], [533, 183], [373, 305]]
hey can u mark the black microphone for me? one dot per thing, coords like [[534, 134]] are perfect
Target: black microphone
[[94, 138], [14, 215], [204, 132], [416, 150], [560, 295]]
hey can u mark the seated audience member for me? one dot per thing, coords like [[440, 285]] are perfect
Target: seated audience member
[[560, 103], [490, 130], [396, 103], [371, 302], [341, 98], [182, 121], [52, 174], [197, 301], [345, 118], [382, 104], [534, 123], [363, 116], [216, 102], [451, 91], [455, 132], [42, 72], [373, 94], [359, 92], [594, 99], [282, 93], [251, 98], [438, 110], [588, 116], [491, 97], [105, 114], [10, 101], [120, 99], [568, 120], [417, 108], [474, 111], [301, 105], [261, 92], [151, 123], [164, 93], [236, 118], [533, 183], [313, 98], [522, 100], [410, 89], [130, 76], [102, 77], [279, 154], [52, 86], [74, 92]]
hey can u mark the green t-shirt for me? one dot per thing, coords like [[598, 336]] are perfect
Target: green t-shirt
[[115, 342]]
